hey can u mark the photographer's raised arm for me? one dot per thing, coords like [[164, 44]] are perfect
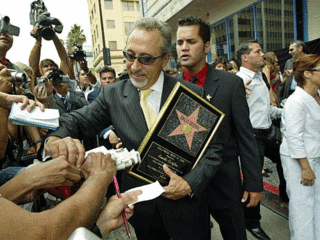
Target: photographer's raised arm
[[34, 58], [84, 67], [65, 64]]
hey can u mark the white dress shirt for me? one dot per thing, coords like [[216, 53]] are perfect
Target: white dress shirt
[[261, 110], [301, 122], [89, 89]]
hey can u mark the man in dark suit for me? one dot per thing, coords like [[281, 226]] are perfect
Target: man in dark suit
[[181, 212], [226, 92]]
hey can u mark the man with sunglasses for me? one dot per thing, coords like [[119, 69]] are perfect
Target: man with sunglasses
[[181, 212], [297, 50]]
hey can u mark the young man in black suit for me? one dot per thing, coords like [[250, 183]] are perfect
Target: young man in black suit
[[226, 92], [174, 215]]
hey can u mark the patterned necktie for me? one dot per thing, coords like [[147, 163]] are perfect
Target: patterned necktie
[[65, 102], [146, 108], [193, 79]]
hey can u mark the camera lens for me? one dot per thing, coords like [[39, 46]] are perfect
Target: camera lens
[[47, 33]]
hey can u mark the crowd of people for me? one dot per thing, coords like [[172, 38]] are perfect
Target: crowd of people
[[226, 183]]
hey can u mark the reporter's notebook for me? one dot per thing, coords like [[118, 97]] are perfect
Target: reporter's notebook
[[47, 119]]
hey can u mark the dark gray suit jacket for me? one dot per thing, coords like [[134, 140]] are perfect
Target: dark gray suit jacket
[[227, 93], [119, 105], [76, 100]]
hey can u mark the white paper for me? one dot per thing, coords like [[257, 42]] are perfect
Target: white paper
[[149, 192], [48, 119], [36, 113]]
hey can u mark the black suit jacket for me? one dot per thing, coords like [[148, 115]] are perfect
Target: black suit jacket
[[226, 92], [119, 105]]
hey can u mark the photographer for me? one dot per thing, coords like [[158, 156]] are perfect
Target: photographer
[[63, 99], [48, 64], [87, 81]]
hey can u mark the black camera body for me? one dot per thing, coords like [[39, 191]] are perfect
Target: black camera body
[[58, 77], [45, 22], [7, 28], [18, 77], [123, 75], [78, 54]]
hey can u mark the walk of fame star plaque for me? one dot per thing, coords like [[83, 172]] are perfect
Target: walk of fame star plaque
[[179, 137]]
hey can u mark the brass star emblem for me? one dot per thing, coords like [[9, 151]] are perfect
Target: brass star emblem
[[188, 126]]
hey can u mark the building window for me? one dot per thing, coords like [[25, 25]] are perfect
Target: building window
[[113, 45], [274, 28], [108, 4], [97, 31], [138, 6], [127, 6], [110, 24], [128, 26]]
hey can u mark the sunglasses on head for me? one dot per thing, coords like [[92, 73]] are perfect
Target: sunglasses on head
[[145, 60], [315, 70]]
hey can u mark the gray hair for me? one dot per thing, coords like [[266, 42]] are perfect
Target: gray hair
[[300, 43], [245, 48], [151, 24]]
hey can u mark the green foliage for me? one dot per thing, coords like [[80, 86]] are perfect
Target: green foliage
[[75, 36]]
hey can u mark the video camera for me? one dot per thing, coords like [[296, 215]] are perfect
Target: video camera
[[45, 30], [18, 76], [7, 28], [58, 77], [78, 54]]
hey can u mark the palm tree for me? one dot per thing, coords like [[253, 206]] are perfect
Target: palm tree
[[75, 36]]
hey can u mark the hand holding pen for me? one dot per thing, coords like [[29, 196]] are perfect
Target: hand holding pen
[[111, 216]]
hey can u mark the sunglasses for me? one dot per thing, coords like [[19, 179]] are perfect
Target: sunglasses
[[315, 70], [145, 60]]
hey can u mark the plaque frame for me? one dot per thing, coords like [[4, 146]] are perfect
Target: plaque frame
[[183, 157]]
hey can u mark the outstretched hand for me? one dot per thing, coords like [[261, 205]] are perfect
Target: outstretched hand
[[69, 147]]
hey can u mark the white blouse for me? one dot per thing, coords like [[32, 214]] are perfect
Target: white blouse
[[301, 122]]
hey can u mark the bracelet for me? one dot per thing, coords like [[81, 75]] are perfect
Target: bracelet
[[36, 142]]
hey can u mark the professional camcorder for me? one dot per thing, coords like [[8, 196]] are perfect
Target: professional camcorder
[[7, 28], [45, 22], [18, 76], [78, 54]]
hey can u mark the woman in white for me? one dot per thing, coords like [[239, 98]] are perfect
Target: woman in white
[[300, 150]]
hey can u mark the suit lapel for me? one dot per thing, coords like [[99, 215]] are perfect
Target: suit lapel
[[59, 103], [211, 86], [132, 100], [168, 85]]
